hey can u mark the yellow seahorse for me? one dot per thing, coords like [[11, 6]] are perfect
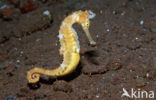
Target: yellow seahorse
[[70, 46]]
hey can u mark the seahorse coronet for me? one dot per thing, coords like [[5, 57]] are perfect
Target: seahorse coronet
[[70, 46]]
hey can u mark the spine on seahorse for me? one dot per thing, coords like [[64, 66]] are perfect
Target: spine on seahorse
[[69, 46]]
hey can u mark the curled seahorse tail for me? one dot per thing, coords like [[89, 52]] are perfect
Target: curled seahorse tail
[[33, 76], [64, 69]]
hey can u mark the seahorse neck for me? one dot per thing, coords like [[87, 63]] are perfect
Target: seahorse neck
[[73, 18]]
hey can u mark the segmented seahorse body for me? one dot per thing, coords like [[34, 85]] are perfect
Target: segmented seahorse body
[[70, 47]]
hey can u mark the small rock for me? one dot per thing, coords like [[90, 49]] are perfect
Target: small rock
[[134, 46], [47, 13], [141, 22], [7, 13], [101, 11], [10, 97], [114, 64], [107, 30], [27, 5], [18, 61], [2, 67], [147, 75], [140, 82], [153, 30], [97, 96], [62, 86], [3, 6], [17, 66], [150, 74]]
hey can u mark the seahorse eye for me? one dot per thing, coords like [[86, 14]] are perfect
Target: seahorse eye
[[87, 25]]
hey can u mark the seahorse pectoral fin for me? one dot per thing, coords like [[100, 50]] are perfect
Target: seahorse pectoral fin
[[91, 41]]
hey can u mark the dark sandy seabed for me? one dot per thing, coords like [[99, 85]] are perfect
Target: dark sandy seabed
[[125, 55]]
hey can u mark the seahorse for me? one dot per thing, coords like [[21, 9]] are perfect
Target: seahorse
[[70, 47]]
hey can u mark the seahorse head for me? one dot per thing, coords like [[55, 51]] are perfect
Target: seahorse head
[[84, 18]]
